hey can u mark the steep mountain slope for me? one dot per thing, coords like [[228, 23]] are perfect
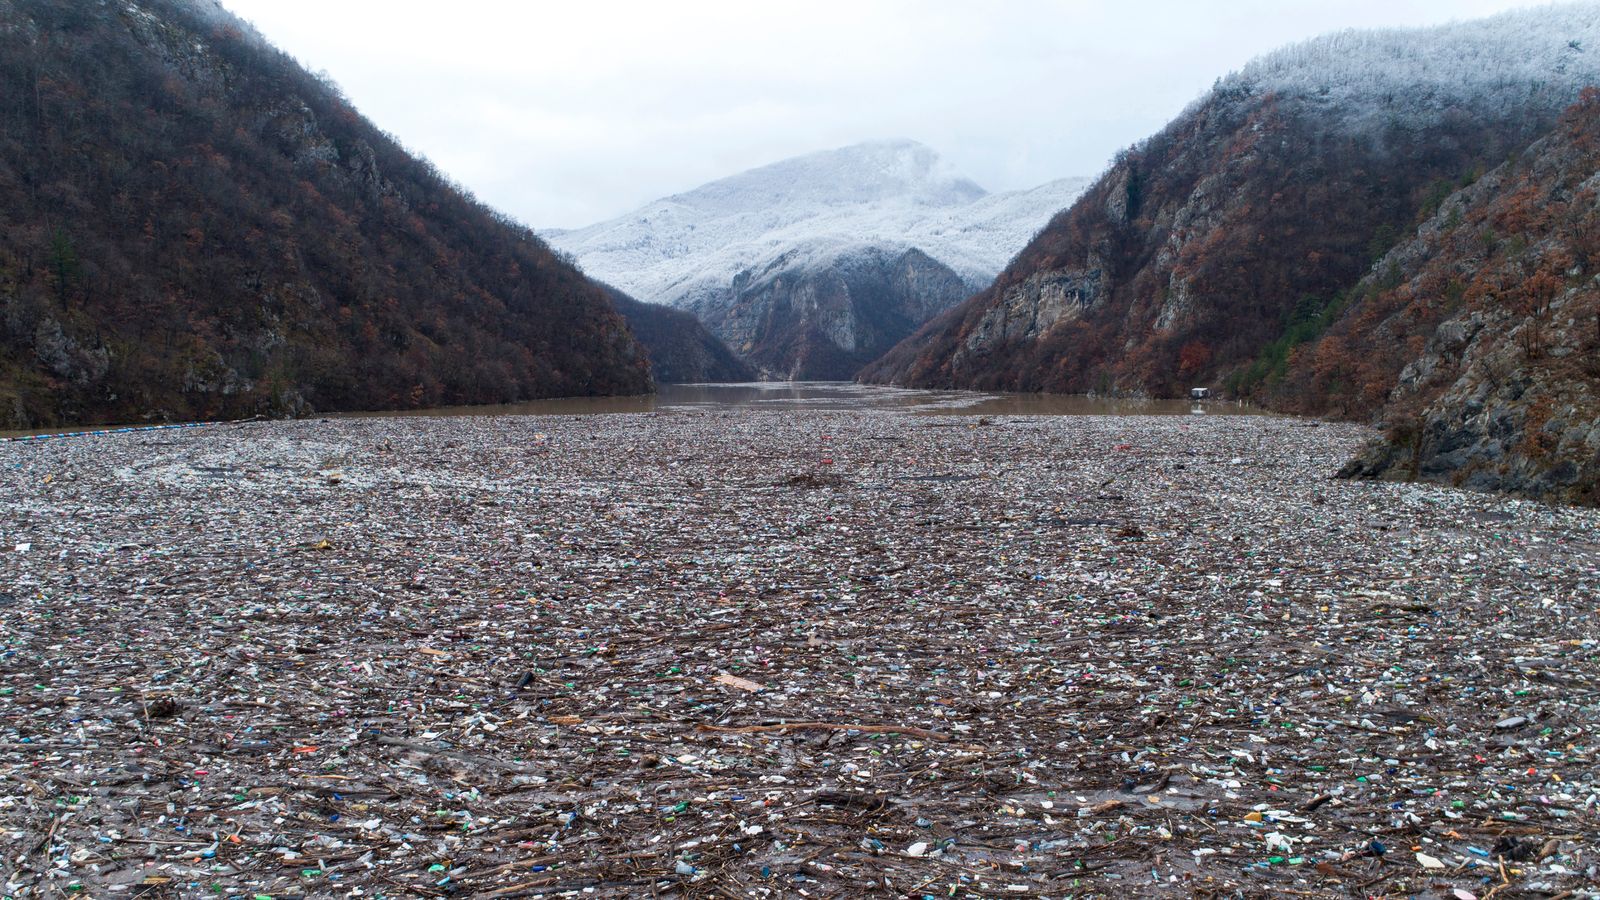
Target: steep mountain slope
[[1479, 337], [750, 254], [681, 350], [1209, 249], [193, 226]]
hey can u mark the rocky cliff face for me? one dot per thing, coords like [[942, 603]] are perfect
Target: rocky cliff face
[[822, 319], [1479, 337], [681, 350], [1200, 248], [1024, 312], [193, 226]]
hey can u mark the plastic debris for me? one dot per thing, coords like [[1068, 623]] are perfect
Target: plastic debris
[[681, 655]]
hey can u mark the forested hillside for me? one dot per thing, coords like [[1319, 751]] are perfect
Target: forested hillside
[[1478, 339], [1297, 238], [1208, 249], [681, 350], [192, 226]]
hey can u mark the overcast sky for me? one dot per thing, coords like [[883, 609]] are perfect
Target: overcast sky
[[563, 114]]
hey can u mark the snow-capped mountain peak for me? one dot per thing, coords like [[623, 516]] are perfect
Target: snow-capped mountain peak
[[877, 172], [889, 195]]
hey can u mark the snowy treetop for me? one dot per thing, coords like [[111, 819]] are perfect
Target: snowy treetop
[[1543, 55]]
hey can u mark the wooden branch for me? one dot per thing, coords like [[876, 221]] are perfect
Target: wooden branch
[[828, 726], [491, 762]]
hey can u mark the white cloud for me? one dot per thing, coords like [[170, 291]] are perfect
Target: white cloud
[[567, 113]]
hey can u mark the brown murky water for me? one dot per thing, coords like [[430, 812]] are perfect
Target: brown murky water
[[841, 395], [799, 395]]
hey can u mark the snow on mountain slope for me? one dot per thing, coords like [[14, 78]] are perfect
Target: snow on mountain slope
[[978, 240], [1408, 76], [811, 211]]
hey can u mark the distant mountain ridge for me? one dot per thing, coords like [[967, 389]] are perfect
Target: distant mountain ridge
[[773, 259], [893, 194], [193, 226]]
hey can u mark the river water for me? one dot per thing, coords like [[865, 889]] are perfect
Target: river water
[[803, 395], [841, 395]]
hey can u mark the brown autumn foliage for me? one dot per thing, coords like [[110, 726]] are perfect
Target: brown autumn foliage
[[1482, 356], [1240, 227], [1503, 249], [192, 226]]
